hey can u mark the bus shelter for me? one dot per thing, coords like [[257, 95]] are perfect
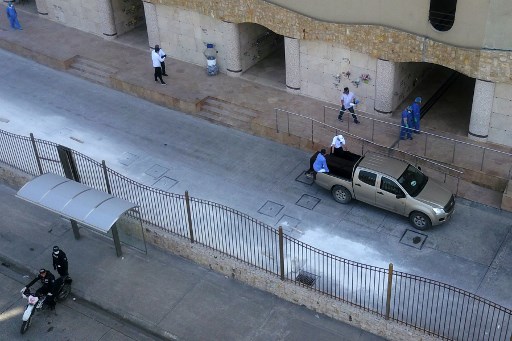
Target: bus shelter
[[80, 203]]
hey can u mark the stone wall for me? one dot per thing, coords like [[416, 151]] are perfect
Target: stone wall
[[80, 14], [327, 68], [500, 126]]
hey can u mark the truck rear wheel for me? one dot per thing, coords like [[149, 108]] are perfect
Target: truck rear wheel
[[420, 220], [341, 194]]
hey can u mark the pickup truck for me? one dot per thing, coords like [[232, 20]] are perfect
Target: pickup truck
[[388, 183]]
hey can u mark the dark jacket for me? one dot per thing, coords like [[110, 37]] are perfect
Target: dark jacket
[[60, 260], [47, 282]]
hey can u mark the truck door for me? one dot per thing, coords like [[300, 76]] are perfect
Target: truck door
[[390, 196], [364, 186]]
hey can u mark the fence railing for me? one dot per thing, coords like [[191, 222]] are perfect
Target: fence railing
[[433, 146], [321, 134], [434, 307]]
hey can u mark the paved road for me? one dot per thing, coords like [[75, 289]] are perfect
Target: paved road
[[71, 320], [150, 143]]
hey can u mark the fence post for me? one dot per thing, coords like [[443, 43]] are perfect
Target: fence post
[[277, 124], [189, 216], [107, 182], [388, 296], [281, 253], [36, 153]]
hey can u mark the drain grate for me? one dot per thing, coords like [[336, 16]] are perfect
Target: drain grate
[[307, 201], [413, 239], [304, 179], [270, 209], [306, 278]]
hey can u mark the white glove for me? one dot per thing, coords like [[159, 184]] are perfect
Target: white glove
[[23, 290], [49, 294]]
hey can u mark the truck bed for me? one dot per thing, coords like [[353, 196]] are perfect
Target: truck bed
[[342, 165]]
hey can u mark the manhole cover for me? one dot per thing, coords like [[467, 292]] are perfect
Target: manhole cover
[[289, 225], [307, 201], [413, 238], [156, 171], [270, 209], [127, 158], [306, 278], [304, 179], [165, 183]]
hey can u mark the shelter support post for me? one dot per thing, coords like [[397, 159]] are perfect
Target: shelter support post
[[74, 227], [71, 172], [117, 242]]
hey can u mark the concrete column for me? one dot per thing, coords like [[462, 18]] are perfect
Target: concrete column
[[42, 7], [483, 99], [292, 57], [232, 39], [107, 23], [384, 86], [151, 24]]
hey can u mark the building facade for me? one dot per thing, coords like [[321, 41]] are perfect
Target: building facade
[[382, 47]]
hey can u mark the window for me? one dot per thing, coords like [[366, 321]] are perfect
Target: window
[[442, 14], [367, 177], [413, 180], [390, 186]]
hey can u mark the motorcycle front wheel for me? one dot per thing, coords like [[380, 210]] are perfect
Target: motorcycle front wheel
[[25, 325]]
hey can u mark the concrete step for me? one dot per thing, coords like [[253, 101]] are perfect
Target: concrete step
[[227, 114], [91, 70]]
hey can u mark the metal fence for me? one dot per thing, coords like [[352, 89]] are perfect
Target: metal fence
[[434, 307], [433, 146]]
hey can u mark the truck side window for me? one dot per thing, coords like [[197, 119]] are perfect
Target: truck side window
[[389, 186], [367, 177]]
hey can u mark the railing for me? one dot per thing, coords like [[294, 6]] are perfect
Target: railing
[[443, 149], [434, 307], [322, 133]]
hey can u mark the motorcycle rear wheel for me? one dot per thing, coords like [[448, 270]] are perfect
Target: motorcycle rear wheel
[[64, 292], [25, 325]]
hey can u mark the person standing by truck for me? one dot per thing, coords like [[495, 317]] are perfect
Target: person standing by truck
[[320, 165], [338, 145]]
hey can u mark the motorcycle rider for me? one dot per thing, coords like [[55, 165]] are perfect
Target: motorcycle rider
[[60, 261], [47, 280]]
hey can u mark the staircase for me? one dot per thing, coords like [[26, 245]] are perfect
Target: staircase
[[227, 114], [92, 71]]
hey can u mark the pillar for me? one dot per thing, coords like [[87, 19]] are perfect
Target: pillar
[[151, 24], [42, 7], [232, 39], [384, 86], [483, 98], [106, 16], [292, 57]]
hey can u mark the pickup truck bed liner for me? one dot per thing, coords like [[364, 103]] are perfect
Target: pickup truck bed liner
[[342, 165]]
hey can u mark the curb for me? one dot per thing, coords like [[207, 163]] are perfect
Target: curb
[[153, 330]]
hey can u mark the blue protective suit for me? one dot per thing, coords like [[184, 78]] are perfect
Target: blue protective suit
[[406, 124], [416, 116], [13, 17]]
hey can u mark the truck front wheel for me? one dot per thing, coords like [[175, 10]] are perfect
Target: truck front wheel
[[341, 194], [420, 220]]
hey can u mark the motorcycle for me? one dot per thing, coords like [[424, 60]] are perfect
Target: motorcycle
[[37, 302]]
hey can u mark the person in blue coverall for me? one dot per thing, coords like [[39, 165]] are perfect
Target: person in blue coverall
[[13, 17], [416, 115], [320, 165], [406, 124]]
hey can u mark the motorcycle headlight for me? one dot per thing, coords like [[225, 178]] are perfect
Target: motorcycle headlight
[[438, 211]]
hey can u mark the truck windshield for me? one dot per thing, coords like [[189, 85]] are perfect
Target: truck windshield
[[413, 180]]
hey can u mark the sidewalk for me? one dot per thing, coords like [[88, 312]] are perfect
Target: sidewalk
[[188, 86], [169, 295]]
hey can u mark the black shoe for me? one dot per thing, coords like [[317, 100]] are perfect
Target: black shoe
[[410, 137], [340, 119], [356, 122], [164, 83], [165, 74]]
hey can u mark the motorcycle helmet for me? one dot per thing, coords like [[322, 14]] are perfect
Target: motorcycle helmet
[[42, 271], [56, 250]]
